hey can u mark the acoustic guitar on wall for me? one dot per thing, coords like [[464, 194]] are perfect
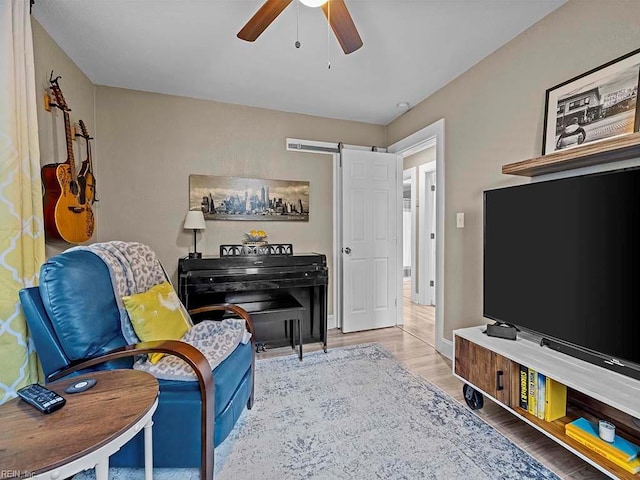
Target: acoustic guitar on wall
[[86, 177], [65, 218]]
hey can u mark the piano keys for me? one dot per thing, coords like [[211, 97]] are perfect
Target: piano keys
[[262, 276]]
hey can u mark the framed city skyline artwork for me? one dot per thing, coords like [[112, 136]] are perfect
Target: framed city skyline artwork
[[594, 106], [236, 198]]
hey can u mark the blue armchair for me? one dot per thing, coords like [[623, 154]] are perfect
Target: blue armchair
[[75, 324]]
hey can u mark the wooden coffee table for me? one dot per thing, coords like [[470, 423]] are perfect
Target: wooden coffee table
[[83, 434]]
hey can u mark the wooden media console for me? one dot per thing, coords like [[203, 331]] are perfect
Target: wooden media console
[[492, 366]]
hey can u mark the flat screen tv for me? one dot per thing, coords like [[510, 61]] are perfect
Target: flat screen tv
[[562, 260]]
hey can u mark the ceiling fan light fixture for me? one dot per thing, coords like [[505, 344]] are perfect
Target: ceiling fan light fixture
[[314, 3], [337, 14]]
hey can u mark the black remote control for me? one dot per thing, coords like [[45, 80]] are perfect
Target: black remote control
[[41, 398]]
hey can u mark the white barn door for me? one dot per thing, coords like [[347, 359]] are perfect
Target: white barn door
[[369, 240]]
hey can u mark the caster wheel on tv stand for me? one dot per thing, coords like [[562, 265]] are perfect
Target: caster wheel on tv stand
[[474, 398]]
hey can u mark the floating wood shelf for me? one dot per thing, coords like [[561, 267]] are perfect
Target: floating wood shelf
[[613, 150]]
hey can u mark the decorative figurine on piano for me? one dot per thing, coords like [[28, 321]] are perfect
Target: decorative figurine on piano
[[255, 238]]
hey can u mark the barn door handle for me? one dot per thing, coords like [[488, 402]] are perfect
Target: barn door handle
[[499, 385]]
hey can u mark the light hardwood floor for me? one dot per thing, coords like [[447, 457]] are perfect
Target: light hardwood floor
[[418, 320], [423, 360]]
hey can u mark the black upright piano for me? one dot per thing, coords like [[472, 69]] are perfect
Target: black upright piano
[[241, 275]]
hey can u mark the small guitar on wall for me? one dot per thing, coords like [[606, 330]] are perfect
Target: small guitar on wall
[[65, 218], [86, 178]]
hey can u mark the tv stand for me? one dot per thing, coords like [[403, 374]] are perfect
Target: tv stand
[[491, 366]]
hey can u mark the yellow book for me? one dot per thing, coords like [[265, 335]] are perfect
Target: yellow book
[[555, 400], [633, 466], [619, 448], [533, 393]]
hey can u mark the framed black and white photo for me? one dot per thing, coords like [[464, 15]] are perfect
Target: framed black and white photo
[[594, 106], [235, 198]]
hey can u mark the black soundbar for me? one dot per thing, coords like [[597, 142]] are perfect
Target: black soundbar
[[629, 369]]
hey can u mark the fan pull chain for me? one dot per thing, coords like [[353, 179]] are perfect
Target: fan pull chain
[[297, 44], [328, 34]]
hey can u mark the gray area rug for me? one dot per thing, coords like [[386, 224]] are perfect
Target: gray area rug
[[356, 413]]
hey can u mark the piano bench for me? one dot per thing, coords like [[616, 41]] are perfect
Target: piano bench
[[280, 304]]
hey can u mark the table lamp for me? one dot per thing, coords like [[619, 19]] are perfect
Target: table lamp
[[194, 221]]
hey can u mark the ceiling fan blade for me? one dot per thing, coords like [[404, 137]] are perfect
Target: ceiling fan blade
[[262, 19], [342, 25]]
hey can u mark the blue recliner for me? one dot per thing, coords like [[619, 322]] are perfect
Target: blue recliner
[[73, 316]]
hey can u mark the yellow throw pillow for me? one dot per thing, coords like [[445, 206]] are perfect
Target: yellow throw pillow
[[157, 314]]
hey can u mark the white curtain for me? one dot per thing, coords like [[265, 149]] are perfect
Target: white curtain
[[21, 226]]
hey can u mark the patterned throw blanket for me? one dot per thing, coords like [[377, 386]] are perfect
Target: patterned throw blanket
[[134, 268], [216, 340]]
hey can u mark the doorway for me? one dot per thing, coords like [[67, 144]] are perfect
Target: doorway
[[431, 136], [418, 203]]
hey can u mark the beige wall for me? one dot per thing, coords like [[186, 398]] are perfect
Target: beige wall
[[150, 143], [79, 93], [494, 115], [420, 158]]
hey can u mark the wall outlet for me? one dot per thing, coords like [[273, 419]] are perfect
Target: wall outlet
[[460, 220]]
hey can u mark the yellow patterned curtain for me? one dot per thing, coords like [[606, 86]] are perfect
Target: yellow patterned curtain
[[21, 227]]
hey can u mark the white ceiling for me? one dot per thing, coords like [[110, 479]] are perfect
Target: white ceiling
[[189, 47]]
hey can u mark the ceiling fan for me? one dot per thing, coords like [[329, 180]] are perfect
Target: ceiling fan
[[335, 10]]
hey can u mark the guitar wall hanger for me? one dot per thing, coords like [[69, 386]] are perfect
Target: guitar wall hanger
[[47, 98], [79, 133], [51, 104]]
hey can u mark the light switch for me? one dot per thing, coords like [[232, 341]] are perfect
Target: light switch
[[460, 220]]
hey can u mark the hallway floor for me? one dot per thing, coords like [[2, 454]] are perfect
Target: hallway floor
[[419, 320]]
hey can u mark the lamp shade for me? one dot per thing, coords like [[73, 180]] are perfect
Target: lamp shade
[[194, 220]]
